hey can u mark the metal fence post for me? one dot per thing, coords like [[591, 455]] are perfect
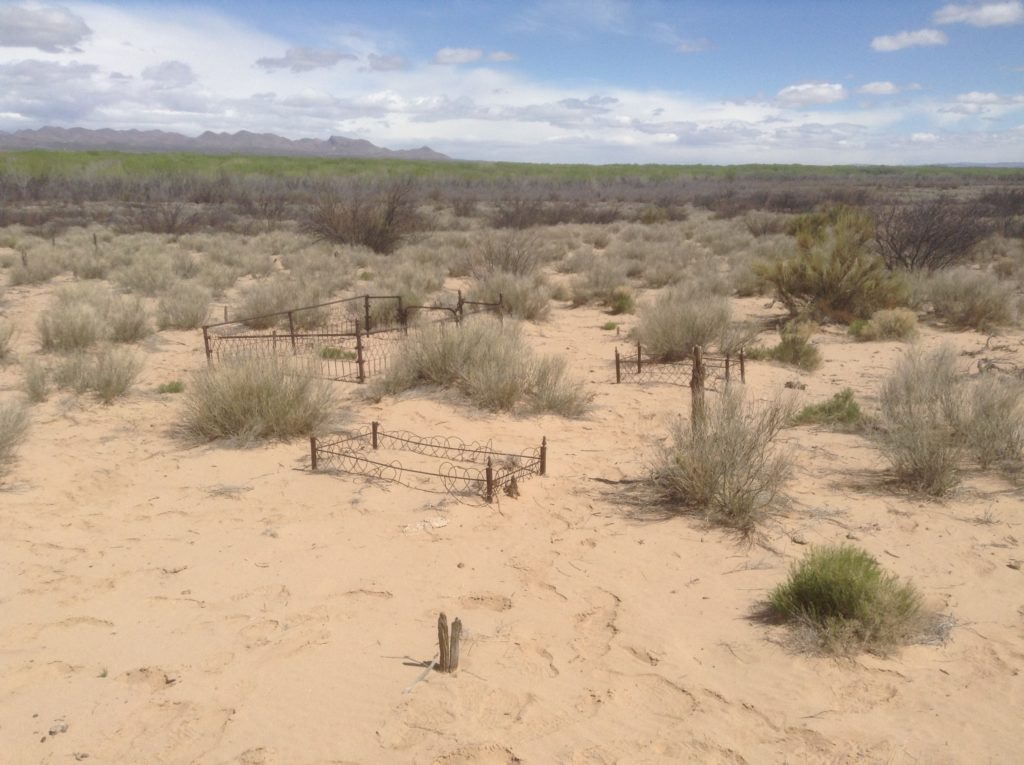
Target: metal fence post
[[366, 311], [544, 455], [697, 390], [360, 362]]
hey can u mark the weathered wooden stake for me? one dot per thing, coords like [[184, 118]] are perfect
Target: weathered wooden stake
[[366, 311], [225, 312], [489, 475], [312, 452], [374, 426], [544, 455], [291, 329], [727, 359], [206, 344], [743, 370], [444, 647], [618, 367], [639, 355], [453, 651], [360, 362], [697, 389]]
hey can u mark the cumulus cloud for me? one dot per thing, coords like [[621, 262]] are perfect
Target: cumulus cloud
[[456, 56], [377, 63], [169, 74], [47, 91], [501, 56], [305, 59], [901, 40], [807, 93], [882, 88], [982, 14], [50, 28]]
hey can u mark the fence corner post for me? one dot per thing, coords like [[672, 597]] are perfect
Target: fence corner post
[[312, 452], [206, 344], [727, 360], [366, 311], [544, 455]]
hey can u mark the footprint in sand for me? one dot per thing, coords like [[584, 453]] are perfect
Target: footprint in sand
[[486, 600]]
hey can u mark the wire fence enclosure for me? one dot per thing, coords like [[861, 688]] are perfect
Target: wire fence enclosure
[[347, 340], [637, 366], [448, 464]]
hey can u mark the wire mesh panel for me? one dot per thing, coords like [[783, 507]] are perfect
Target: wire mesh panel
[[637, 366]]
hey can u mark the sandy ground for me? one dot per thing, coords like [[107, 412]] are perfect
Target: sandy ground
[[167, 602]]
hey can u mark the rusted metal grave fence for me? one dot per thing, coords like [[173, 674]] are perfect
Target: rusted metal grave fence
[[636, 366], [483, 473], [347, 340]]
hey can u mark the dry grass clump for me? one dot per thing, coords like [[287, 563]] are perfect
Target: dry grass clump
[[921, 407], [968, 298], [598, 283], [680, 319], [522, 296], [887, 324], [35, 381], [150, 274], [37, 265], [846, 603], [992, 426], [6, 341], [727, 467], [13, 427], [127, 320], [511, 251], [273, 296], [108, 373], [491, 364], [250, 399], [84, 314], [840, 411], [184, 306]]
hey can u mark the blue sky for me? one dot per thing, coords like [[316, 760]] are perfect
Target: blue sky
[[814, 81]]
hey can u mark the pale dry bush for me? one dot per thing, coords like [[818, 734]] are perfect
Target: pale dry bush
[[72, 321], [149, 275], [14, 421], [678, 320], [6, 341], [722, 237], [109, 373], [40, 262], [525, 297], [727, 467], [969, 298], [598, 283], [263, 302], [126, 319], [35, 381], [510, 251], [251, 399], [887, 324], [992, 426], [184, 306]]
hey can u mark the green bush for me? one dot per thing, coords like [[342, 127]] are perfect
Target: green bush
[[849, 603], [621, 301], [842, 410], [835, 275], [794, 347], [678, 320], [13, 427], [253, 399], [729, 469], [598, 283], [174, 386], [887, 324]]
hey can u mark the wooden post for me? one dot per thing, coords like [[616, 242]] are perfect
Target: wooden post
[[727, 369], [618, 367], [489, 475], [743, 370], [453, 651], [373, 433], [401, 316], [360, 362], [639, 355], [697, 389], [206, 344], [544, 455], [312, 452], [366, 311], [459, 308], [443, 645], [291, 329]]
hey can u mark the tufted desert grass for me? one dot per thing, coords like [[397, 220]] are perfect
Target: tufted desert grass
[[6, 341], [679, 319], [975, 299], [184, 306], [14, 422], [109, 373]]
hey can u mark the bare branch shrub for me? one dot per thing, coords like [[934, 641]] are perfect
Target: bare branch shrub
[[928, 235], [377, 216]]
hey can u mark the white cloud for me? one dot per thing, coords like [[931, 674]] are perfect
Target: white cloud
[[923, 137], [694, 46], [456, 56], [922, 37], [305, 59], [807, 93], [50, 28], [882, 88], [982, 14], [169, 74], [501, 56], [386, 63]]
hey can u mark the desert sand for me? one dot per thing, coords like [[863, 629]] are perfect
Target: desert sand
[[163, 601]]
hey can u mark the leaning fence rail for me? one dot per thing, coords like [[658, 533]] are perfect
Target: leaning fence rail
[[483, 472], [636, 365], [347, 340]]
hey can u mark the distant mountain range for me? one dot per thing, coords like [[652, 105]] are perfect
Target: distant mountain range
[[242, 142]]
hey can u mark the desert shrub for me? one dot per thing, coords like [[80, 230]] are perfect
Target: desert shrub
[[887, 324], [274, 296], [127, 320], [761, 223], [598, 283], [490, 364], [69, 324], [968, 298], [840, 410], [108, 373], [35, 381], [992, 427], [728, 467], [928, 235], [794, 347], [255, 398], [921, 407], [36, 267], [622, 301], [184, 306], [835, 276], [13, 428], [522, 296], [377, 216], [842, 595], [174, 386], [151, 275], [512, 251], [678, 320], [6, 341]]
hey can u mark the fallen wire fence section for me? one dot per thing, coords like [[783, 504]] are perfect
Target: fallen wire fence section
[[347, 340], [451, 465], [637, 366]]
